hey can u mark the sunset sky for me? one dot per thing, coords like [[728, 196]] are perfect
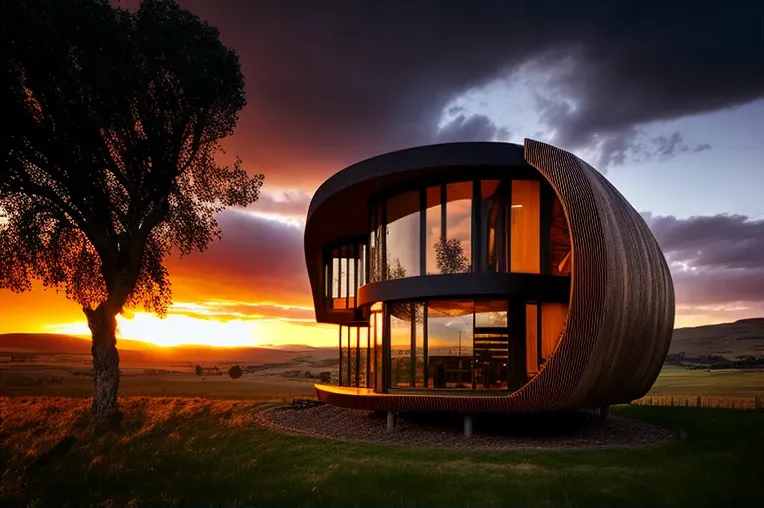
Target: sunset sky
[[669, 105]]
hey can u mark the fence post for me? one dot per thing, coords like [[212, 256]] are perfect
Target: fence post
[[758, 403], [698, 404]]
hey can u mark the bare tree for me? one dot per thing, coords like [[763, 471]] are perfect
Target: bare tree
[[110, 162]]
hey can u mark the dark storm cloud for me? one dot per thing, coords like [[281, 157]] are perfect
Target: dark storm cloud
[[331, 82], [472, 128], [714, 259]]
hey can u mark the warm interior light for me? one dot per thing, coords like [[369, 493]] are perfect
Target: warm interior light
[[517, 206]]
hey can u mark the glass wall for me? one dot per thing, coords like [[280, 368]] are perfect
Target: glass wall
[[525, 240], [376, 259], [419, 356], [454, 255], [400, 345], [449, 229], [531, 339], [433, 230], [403, 236], [449, 344], [345, 273], [494, 214], [354, 355]]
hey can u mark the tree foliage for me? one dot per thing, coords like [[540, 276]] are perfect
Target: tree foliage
[[110, 163], [108, 159], [450, 257], [395, 269]]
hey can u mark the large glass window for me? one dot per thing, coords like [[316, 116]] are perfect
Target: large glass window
[[420, 368], [344, 356], [345, 272], [400, 345], [490, 345], [375, 245], [525, 242], [531, 339], [450, 344], [507, 231], [449, 336], [354, 350], [454, 255], [435, 227], [403, 236], [494, 216]]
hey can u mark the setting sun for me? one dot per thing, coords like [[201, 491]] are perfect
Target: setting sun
[[210, 325]]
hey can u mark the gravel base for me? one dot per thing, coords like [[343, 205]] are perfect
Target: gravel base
[[568, 431]]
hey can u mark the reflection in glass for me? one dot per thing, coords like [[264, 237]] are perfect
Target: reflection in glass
[[363, 355], [344, 357], [378, 373], [454, 254], [525, 241], [346, 274], [494, 199], [353, 351], [403, 235], [400, 345], [372, 350], [531, 339], [419, 356], [449, 335], [434, 224], [375, 245], [491, 314]]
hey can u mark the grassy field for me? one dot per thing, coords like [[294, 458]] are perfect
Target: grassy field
[[195, 452], [67, 375], [675, 380]]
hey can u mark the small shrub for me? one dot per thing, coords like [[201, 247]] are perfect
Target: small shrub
[[198, 370], [235, 372]]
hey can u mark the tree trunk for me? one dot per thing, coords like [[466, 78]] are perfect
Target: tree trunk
[[103, 327]]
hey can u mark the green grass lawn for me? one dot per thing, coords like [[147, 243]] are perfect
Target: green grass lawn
[[675, 380], [198, 452]]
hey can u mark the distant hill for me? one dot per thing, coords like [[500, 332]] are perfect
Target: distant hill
[[744, 337], [62, 344], [51, 343], [729, 340]]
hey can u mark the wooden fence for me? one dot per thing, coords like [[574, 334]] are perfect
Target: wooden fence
[[752, 403]]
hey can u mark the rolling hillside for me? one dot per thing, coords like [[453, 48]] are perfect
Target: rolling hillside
[[42, 343], [730, 340]]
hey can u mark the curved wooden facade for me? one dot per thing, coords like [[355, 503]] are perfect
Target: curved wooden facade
[[620, 314]]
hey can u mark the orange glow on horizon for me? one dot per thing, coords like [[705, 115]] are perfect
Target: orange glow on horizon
[[180, 329]]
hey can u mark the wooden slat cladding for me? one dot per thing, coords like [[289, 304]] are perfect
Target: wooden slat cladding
[[620, 316]]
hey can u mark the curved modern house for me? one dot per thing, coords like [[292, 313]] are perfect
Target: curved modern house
[[486, 277]]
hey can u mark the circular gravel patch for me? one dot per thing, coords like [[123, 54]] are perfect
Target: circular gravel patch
[[567, 431]]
